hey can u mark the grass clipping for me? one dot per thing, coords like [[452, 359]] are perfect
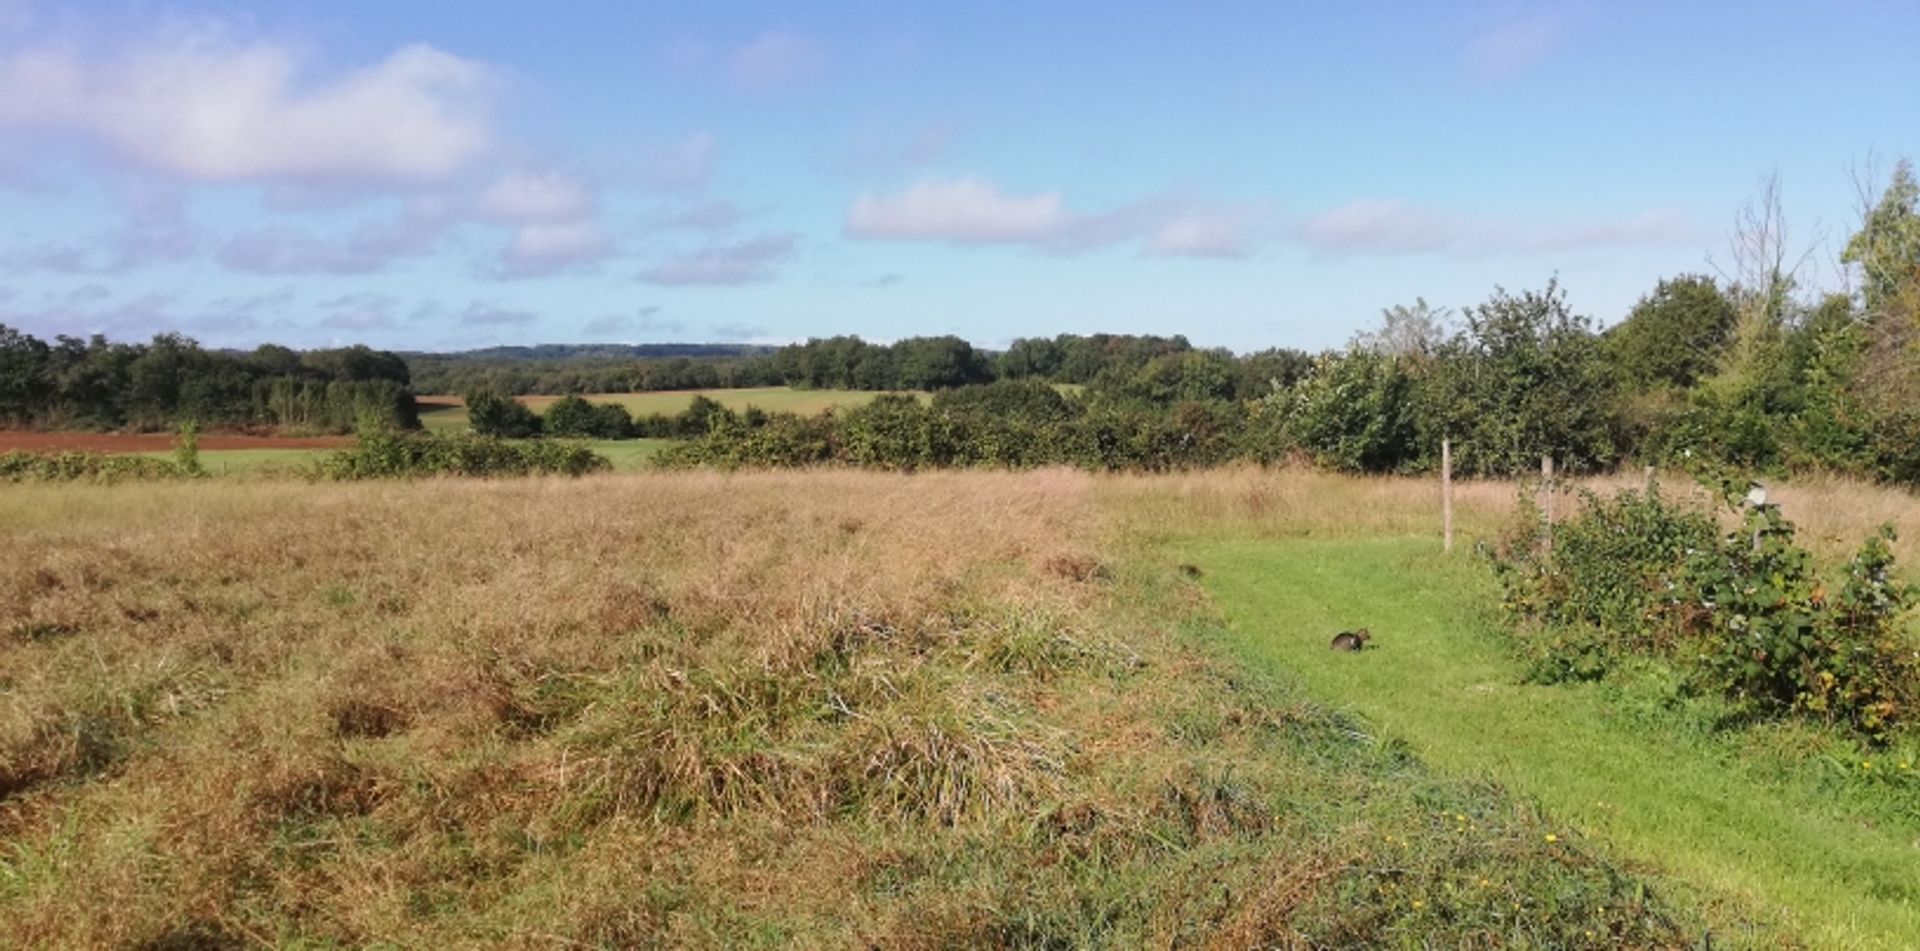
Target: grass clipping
[[691, 709]]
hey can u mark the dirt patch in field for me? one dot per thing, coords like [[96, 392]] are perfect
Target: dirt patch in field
[[156, 442]]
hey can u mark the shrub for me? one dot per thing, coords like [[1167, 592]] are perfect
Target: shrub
[[491, 414], [386, 455], [1745, 613], [1610, 584], [1773, 638], [1353, 413], [1023, 399], [88, 467], [573, 416]]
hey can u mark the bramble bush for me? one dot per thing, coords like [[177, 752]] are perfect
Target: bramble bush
[[20, 466], [1746, 613], [1610, 585]]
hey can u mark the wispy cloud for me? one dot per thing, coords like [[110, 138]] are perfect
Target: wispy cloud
[[279, 250], [154, 228], [1517, 44], [358, 312], [972, 210], [486, 314], [878, 155], [644, 322], [775, 60], [222, 321], [684, 166], [739, 332], [743, 262], [717, 215], [536, 196], [1390, 227]]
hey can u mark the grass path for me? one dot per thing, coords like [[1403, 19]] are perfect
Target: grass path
[[1441, 681]]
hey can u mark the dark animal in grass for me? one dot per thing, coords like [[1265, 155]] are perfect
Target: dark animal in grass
[[1351, 640], [1189, 570]]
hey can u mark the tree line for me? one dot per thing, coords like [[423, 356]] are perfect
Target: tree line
[[94, 383]]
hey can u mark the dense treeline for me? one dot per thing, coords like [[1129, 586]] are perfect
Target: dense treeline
[[98, 384], [553, 369], [843, 363]]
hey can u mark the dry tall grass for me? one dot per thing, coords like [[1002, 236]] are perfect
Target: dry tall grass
[[1834, 514], [697, 709]]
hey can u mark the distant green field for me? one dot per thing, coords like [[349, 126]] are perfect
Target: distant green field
[[446, 412], [238, 461]]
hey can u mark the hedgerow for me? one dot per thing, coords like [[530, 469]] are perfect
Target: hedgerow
[[87, 467], [387, 455]]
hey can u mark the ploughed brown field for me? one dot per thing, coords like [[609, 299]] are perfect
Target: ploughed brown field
[[156, 442]]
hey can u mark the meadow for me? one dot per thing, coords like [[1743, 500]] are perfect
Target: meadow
[[841, 708]]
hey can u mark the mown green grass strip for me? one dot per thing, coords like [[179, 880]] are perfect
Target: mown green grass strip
[[1441, 680]]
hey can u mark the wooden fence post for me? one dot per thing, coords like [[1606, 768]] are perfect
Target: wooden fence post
[[1446, 493], [1546, 485]]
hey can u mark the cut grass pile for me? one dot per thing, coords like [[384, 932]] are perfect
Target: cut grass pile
[[447, 412], [691, 709]]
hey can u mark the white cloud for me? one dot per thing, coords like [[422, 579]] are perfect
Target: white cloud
[[1516, 45], [775, 60], [1203, 233], [967, 210], [209, 109], [744, 262], [1390, 227], [543, 248], [536, 196]]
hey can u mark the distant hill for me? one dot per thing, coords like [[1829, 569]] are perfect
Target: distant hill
[[595, 351]]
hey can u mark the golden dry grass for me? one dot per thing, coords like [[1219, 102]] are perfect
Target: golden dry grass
[[1834, 514], [825, 708]]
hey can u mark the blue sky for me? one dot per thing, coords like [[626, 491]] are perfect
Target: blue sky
[[445, 176]]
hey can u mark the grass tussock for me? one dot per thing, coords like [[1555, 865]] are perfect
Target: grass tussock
[[839, 709]]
